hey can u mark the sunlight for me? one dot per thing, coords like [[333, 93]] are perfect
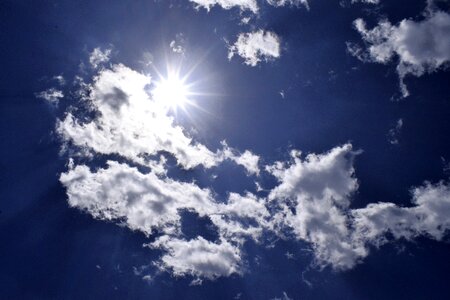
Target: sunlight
[[171, 92]]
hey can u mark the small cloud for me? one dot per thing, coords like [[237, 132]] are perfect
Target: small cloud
[[393, 134], [50, 95], [60, 79], [99, 56], [256, 46], [296, 3], [249, 5], [177, 45]]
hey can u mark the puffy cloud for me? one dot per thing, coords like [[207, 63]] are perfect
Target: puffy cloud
[[99, 56], [430, 216], [311, 201], [143, 202], [51, 95], [129, 122], [256, 46], [199, 257], [421, 47], [314, 198], [314, 194], [247, 159], [250, 5]]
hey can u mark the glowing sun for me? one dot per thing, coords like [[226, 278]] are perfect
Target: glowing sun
[[171, 92]]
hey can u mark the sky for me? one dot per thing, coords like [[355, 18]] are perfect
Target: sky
[[225, 149]]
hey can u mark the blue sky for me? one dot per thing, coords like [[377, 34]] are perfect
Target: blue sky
[[225, 149]]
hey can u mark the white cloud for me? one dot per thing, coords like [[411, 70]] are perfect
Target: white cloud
[[420, 46], [247, 159], [99, 56], [250, 5], [143, 202], [314, 197], [430, 216], [177, 45], [311, 202], [256, 46], [199, 257], [129, 122], [279, 3], [51, 95]]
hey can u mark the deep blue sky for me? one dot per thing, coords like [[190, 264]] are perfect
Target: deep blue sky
[[51, 251]]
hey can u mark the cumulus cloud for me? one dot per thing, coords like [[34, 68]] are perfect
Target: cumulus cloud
[[311, 201], [99, 56], [51, 95], [314, 194], [249, 5], [132, 124], [143, 202], [256, 46], [314, 197], [419, 46], [199, 257]]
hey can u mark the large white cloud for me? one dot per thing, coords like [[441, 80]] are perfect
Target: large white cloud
[[314, 197], [311, 201], [129, 122], [420, 46], [256, 46]]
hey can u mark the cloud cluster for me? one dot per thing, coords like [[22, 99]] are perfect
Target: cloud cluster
[[314, 195], [256, 46], [420, 46], [311, 201]]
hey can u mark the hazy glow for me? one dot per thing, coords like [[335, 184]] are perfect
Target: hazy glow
[[171, 92]]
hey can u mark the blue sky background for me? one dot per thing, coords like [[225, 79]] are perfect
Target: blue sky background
[[52, 251]]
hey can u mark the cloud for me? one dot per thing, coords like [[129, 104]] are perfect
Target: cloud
[[311, 202], [394, 133], [151, 204], [256, 46], [250, 5], [141, 201], [50, 95], [419, 46], [177, 45], [198, 257], [279, 3], [99, 56], [129, 122], [367, 1], [314, 197]]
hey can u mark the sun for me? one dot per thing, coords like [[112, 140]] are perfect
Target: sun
[[171, 92]]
